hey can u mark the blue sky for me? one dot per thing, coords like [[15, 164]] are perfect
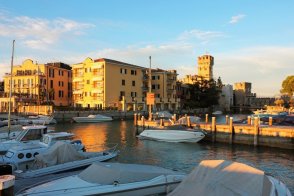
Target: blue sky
[[251, 40]]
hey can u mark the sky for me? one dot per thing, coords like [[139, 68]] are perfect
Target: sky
[[251, 41]]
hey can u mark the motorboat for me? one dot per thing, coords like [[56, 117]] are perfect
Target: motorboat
[[111, 179], [42, 119], [173, 135], [22, 156], [217, 112], [220, 177], [10, 133], [63, 157], [28, 134], [92, 118]]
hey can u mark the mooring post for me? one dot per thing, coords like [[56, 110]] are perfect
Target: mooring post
[[256, 130], [249, 120], [213, 129], [188, 121], [143, 122], [270, 121], [135, 118], [231, 129], [7, 185], [206, 118], [227, 119], [161, 122], [174, 118]]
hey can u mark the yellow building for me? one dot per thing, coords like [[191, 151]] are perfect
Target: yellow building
[[205, 67], [35, 84], [106, 83], [164, 87]]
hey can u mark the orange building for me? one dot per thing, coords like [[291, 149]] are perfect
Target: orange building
[[35, 84]]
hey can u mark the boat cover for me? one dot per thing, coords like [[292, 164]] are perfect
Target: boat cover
[[193, 120], [219, 177], [111, 173], [60, 152]]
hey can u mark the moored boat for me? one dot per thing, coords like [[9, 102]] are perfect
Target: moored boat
[[63, 157], [112, 179], [92, 118], [173, 135], [220, 177]]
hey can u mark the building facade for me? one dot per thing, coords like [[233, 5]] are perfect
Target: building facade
[[164, 83], [226, 99], [205, 67], [242, 94], [106, 83], [36, 84]]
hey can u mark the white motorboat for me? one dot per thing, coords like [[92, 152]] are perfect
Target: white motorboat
[[92, 118], [173, 135], [63, 157], [42, 119], [6, 134], [217, 112], [28, 134], [220, 177], [111, 179], [22, 156]]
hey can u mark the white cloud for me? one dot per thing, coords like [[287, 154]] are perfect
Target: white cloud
[[203, 36], [39, 33], [264, 67], [236, 19]]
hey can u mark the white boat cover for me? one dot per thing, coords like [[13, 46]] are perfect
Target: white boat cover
[[60, 152], [110, 173], [164, 114], [219, 177], [193, 120]]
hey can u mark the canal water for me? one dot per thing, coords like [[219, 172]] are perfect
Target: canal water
[[179, 156]]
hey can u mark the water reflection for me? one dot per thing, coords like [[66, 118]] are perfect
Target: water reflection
[[179, 156]]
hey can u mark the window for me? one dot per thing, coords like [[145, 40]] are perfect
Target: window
[[133, 72], [20, 155], [133, 94], [153, 86], [88, 81], [122, 93], [123, 82], [133, 83], [51, 83], [153, 77], [158, 77], [123, 71], [158, 86], [28, 155]]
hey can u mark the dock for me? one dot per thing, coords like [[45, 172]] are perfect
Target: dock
[[253, 133]]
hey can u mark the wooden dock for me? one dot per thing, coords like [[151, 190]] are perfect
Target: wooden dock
[[252, 133]]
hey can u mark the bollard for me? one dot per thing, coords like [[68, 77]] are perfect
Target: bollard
[[175, 118], [227, 119], [270, 121], [7, 185], [231, 129], [188, 121], [139, 116], [213, 129], [206, 118], [249, 120], [135, 118], [161, 122], [256, 130], [143, 122]]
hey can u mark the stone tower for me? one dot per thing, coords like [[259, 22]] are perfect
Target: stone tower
[[205, 67]]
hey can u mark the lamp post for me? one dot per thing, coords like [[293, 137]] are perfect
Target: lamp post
[[150, 105], [10, 89]]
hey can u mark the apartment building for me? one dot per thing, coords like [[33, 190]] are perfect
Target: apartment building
[[106, 83], [35, 84], [164, 83]]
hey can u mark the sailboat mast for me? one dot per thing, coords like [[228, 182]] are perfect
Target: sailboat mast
[[10, 90]]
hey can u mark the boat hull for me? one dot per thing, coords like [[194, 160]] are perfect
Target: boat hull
[[172, 135]]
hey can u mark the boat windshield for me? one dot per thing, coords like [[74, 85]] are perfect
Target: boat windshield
[[9, 154], [31, 134]]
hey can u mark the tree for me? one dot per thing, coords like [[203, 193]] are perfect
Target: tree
[[203, 93], [288, 86], [279, 102]]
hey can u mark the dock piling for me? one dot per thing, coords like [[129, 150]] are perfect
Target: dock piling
[[231, 130], [249, 120], [206, 118], [227, 119], [270, 121], [188, 121], [256, 130], [213, 129]]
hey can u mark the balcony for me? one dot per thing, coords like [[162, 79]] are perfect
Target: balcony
[[75, 92], [77, 75], [99, 73], [98, 78]]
